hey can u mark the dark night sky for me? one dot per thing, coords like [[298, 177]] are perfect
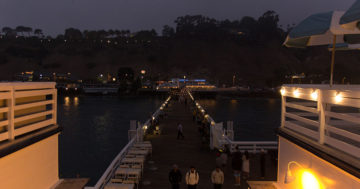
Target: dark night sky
[[53, 16]]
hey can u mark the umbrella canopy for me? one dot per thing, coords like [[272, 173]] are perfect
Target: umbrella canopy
[[319, 29], [322, 29], [351, 17]]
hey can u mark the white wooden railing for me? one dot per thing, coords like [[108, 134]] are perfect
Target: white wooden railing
[[140, 130], [219, 137], [328, 115], [26, 107]]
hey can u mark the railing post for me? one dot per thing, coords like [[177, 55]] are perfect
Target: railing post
[[322, 120], [54, 106], [283, 110], [11, 104]]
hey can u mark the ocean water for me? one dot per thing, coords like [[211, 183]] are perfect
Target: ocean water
[[255, 119]]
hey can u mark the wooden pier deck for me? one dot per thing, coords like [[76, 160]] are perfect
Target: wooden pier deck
[[167, 150]]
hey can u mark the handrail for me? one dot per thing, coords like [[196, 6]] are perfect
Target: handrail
[[35, 118], [340, 133], [106, 176], [226, 140]]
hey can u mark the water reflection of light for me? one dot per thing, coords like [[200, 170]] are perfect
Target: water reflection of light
[[67, 101], [76, 101], [233, 101]]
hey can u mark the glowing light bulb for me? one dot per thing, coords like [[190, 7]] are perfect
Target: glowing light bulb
[[296, 93], [282, 91], [338, 98], [309, 181], [314, 95]]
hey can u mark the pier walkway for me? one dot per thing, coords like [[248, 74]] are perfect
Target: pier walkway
[[168, 150]]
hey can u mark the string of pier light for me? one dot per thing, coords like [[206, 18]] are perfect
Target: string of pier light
[[201, 109], [314, 94], [156, 114]]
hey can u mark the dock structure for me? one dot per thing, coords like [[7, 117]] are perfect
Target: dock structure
[[191, 151]]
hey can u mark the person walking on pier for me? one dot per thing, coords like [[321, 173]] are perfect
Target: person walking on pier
[[192, 178], [217, 178], [245, 167], [175, 177], [236, 164], [180, 131]]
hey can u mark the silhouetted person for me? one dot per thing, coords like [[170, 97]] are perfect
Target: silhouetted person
[[175, 177], [236, 165], [180, 131]]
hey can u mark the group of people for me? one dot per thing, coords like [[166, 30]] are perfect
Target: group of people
[[192, 178]]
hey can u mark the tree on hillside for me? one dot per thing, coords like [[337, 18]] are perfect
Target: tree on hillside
[[28, 30], [20, 29], [126, 74], [7, 30], [168, 31], [268, 26], [73, 34], [146, 35], [38, 32]]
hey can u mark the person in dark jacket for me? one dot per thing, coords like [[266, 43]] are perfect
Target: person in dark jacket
[[175, 177], [236, 165]]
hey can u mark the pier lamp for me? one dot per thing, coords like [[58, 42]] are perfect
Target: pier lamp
[[308, 179]]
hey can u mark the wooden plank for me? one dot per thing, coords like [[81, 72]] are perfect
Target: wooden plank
[[300, 129], [4, 122], [32, 127], [31, 116], [343, 133], [4, 109], [343, 116], [302, 119], [4, 136], [301, 107], [343, 146], [5, 95], [33, 104], [19, 94]]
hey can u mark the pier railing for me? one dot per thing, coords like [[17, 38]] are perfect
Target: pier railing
[[26, 107], [327, 115], [219, 137], [138, 136]]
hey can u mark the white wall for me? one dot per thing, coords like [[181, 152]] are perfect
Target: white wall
[[33, 167], [330, 176]]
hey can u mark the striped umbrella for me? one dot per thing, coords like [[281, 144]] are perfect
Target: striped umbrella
[[351, 17], [321, 29]]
